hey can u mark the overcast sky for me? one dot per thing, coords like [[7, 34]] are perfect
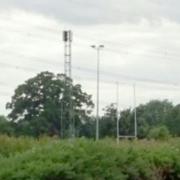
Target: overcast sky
[[141, 39]]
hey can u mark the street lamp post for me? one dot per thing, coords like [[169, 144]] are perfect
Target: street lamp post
[[97, 48], [61, 118], [135, 112], [117, 112]]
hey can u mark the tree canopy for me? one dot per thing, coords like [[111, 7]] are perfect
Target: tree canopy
[[152, 115], [41, 105], [48, 103]]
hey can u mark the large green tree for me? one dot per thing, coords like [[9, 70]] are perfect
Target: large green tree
[[42, 105], [152, 114]]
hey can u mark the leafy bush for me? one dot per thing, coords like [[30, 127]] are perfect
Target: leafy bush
[[159, 133], [52, 159], [11, 145]]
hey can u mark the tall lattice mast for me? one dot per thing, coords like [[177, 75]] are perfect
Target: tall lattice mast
[[67, 38]]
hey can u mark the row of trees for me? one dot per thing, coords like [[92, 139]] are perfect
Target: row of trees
[[154, 115], [41, 106]]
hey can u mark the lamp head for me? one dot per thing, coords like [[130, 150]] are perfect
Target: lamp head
[[101, 46], [93, 46]]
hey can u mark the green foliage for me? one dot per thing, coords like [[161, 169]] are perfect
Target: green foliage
[[11, 145], [126, 122], [42, 102], [108, 121], [149, 116], [155, 112], [159, 133], [6, 127], [173, 121], [51, 159], [41, 106]]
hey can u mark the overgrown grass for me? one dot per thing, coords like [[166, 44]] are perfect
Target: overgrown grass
[[53, 159], [12, 145]]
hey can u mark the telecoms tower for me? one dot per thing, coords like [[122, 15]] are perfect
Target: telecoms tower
[[67, 38]]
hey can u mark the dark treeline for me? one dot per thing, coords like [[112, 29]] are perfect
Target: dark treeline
[[41, 106], [153, 117]]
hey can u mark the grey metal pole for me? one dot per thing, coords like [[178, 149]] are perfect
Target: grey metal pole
[[61, 129], [117, 113], [97, 48], [97, 107], [135, 113]]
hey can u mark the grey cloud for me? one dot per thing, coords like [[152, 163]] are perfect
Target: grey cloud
[[101, 11]]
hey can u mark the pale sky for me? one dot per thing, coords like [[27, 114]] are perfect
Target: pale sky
[[141, 39]]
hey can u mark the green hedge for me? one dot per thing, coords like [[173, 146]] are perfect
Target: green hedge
[[83, 159]]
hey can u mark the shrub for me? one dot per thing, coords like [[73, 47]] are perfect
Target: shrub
[[81, 159], [159, 133]]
